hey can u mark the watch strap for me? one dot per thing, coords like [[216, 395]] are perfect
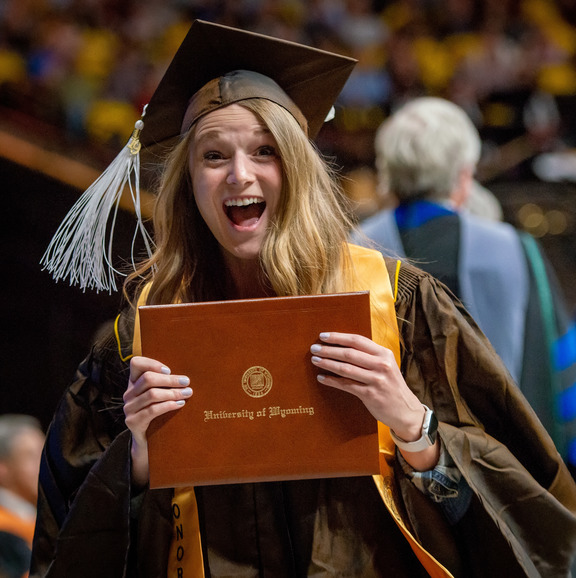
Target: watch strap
[[428, 437]]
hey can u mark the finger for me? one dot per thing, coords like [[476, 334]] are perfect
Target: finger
[[139, 421], [348, 385], [380, 360], [344, 369], [341, 355], [171, 398], [353, 340], [140, 365], [136, 399], [153, 382]]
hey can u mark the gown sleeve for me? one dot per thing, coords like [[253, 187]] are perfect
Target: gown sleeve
[[494, 437], [84, 484]]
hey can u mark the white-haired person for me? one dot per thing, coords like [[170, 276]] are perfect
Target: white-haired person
[[426, 155], [471, 484]]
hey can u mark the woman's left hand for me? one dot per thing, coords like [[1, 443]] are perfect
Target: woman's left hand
[[356, 364]]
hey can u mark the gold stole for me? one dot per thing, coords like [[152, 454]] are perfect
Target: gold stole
[[369, 272]]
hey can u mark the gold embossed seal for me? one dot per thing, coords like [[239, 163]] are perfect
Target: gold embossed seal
[[257, 381]]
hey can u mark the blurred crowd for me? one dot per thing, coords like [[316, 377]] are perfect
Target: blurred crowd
[[91, 65]]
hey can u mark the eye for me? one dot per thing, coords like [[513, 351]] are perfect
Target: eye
[[266, 151], [212, 156]]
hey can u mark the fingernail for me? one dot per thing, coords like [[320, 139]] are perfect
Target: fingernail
[[316, 348], [180, 402], [165, 370], [183, 380], [320, 377], [316, 359], [324, 336], [186, 392]]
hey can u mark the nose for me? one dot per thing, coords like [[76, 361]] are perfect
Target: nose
[[240, 172]]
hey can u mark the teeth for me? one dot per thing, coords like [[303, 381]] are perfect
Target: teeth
[[243, 202]]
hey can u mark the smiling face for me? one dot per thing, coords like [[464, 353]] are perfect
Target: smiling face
[[236, 178]]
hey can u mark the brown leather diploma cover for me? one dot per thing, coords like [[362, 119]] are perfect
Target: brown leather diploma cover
[[258, 412]]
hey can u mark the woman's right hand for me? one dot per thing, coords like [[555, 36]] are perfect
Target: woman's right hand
[[152, 391]]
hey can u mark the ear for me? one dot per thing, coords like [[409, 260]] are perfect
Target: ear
[[463, 187]]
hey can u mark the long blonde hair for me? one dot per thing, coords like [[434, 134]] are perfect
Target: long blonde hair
[[304, 250]]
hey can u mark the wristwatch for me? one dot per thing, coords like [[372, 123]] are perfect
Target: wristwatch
[[428, 438]]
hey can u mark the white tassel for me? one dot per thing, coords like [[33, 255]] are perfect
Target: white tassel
[[81, 249]]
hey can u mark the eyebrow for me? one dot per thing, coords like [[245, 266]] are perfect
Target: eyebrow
[[218, 132]]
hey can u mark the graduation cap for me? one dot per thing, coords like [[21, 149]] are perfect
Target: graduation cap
[[311, 78], [215, 66]]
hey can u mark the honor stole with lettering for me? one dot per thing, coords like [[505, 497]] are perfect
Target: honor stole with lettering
[[369, 273]]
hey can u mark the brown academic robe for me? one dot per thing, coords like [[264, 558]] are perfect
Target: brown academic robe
[[522, 519]]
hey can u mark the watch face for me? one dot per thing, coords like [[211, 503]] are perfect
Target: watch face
[[432, 428]]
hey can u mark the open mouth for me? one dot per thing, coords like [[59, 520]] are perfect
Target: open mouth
[[244, 212]]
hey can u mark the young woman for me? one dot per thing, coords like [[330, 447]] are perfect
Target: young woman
[[247, 208]]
